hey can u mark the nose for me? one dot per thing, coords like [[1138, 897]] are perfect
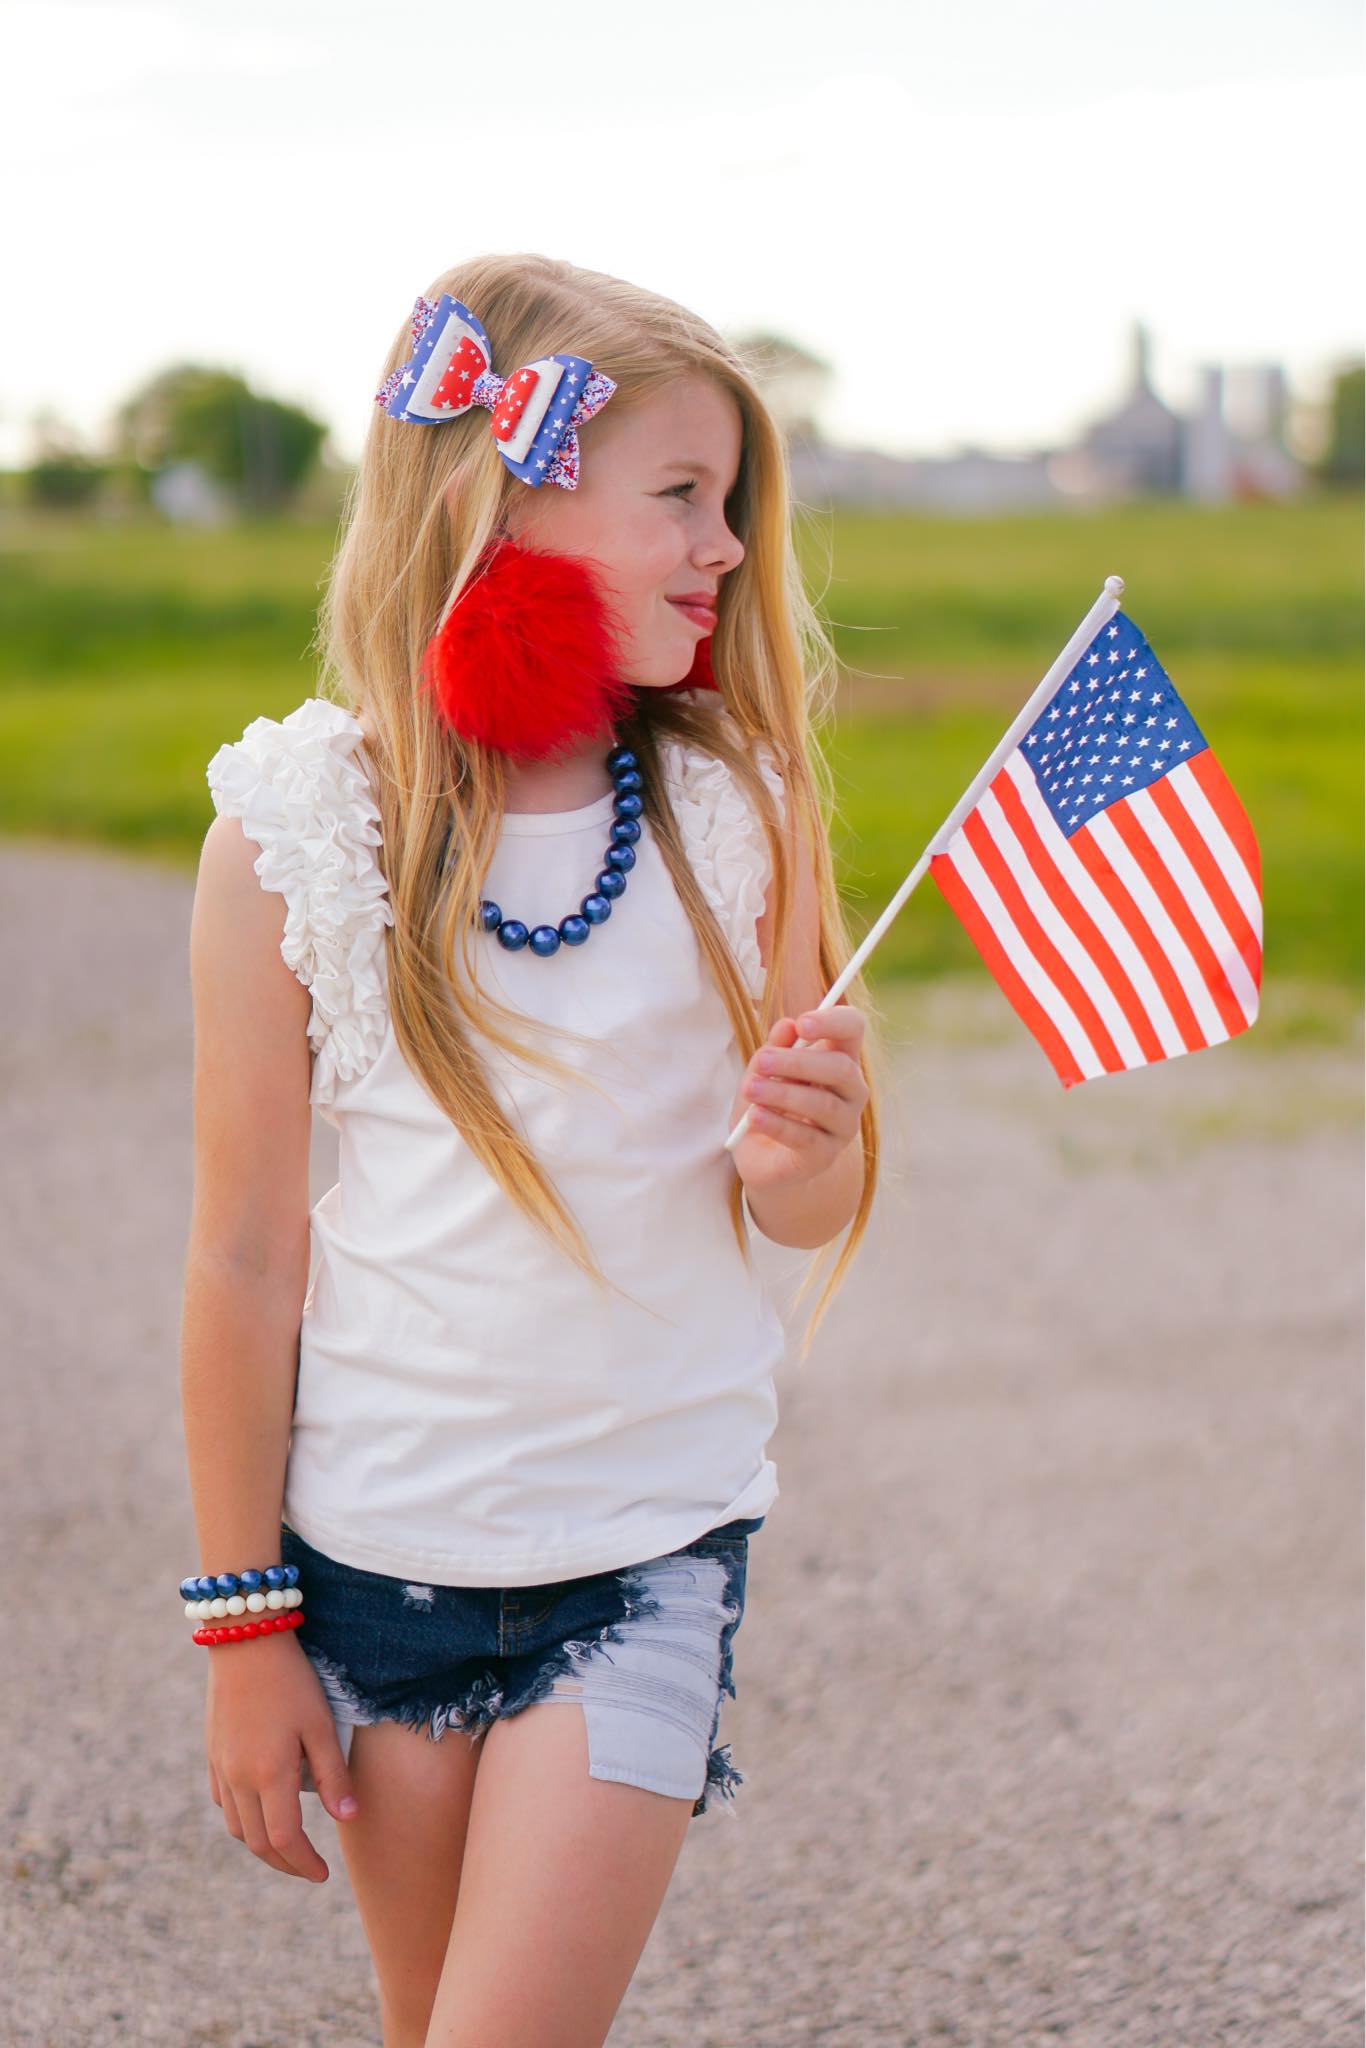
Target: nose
[[719, 549]]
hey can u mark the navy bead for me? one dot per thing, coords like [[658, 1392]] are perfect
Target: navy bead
[[596, 907], [226, 1585]]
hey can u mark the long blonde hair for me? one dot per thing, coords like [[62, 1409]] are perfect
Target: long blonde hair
[[419, 513]]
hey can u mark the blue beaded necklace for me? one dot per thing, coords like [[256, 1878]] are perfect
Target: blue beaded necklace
[[596, 907]]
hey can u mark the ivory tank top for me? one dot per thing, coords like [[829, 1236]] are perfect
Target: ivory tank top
[[470, 1408]]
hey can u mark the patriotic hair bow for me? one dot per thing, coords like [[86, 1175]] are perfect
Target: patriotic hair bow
[[535, 410]]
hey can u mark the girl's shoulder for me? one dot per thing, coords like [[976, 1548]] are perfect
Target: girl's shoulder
[[301, 789], [304, 796], [723, 833]]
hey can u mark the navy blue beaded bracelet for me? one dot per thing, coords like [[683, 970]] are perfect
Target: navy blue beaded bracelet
[[276, 1578], [596, 907]]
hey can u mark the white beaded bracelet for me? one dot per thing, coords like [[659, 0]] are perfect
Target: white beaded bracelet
[[242, 1603]]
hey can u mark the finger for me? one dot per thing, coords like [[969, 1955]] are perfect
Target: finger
[[232, 1820], [827, 1069], [799, 1100], [285, 1829], [254, 1832], [809, 1068], [214, 1793], [841, 1022], [785, 1130]]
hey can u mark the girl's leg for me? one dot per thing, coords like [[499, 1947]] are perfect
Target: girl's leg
[[403, 1854], [563, 1877]]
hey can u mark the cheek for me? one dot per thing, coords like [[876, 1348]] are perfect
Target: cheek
[[645, 552]]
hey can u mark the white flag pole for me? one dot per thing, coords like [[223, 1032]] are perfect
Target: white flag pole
[[1101, 612]]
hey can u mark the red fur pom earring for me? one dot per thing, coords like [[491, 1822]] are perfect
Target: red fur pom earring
[[527, 660]]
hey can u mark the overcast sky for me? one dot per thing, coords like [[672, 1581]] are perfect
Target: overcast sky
[[961, 209]]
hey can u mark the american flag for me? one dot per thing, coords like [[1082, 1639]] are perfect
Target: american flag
[[1108, 874]]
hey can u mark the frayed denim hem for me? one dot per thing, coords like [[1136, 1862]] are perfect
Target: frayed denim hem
[[485, 1700]]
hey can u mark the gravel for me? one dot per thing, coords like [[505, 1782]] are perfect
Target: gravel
[[1049, 1701]]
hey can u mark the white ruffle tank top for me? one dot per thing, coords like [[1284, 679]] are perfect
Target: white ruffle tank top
[[470, 1408]]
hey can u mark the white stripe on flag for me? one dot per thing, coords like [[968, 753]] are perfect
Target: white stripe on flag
[[1168, 937], [1207, 823], [1171, 851], [1021, 957], [1098, 906], [1064, 937]]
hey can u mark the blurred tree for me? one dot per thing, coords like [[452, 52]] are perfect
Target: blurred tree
[[62, 474], [1343, 460], [260, 448]]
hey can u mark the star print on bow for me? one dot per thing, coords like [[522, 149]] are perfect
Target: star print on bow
[[535, 411]]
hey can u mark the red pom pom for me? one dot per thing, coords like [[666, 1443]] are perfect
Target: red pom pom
[[527, 662]]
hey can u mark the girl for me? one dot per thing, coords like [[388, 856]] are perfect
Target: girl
[[526, 1448]]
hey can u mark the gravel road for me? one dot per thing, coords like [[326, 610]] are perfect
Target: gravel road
[[1049, 1681]]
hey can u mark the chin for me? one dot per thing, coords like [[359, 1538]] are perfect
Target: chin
[[665, 675]]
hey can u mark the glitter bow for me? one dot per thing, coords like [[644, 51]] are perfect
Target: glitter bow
[[535, 411]]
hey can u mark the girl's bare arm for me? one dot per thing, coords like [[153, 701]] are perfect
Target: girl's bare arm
[[246, 1270], [246, 1275]]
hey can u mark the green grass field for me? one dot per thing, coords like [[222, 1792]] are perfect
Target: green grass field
[[129, 653]]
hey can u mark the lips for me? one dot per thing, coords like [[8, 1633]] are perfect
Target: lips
[[699, 607]]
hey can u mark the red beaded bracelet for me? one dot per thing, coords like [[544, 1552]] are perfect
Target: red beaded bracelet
[[241, 1632]]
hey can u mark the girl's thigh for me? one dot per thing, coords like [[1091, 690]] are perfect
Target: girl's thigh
[[564, 1875], [404, 1851]]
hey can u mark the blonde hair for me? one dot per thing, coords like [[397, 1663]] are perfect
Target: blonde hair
[[419, 513]]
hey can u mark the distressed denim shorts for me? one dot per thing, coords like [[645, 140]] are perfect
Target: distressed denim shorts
[[645, 1651]]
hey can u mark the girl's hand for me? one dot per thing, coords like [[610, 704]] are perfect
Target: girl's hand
[[807, 1108], [266, 1709]]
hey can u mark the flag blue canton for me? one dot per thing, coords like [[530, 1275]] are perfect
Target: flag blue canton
[[1114, 726]]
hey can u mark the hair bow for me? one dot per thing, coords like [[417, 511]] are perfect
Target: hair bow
[[535, 411]]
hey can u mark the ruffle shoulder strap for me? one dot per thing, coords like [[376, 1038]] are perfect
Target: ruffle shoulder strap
[[304, 797], [724, 837]]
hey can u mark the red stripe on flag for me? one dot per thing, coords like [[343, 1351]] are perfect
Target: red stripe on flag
[[1069, 906], [1227, 807], [1054, 965], [1200, 854], [1168, 892], [1115, 891], [1022, 999]]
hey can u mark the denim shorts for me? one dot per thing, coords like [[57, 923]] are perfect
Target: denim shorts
[[645, 1651]]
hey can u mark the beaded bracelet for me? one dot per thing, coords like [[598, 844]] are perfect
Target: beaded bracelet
[[273, 1579], [211, 1637], [241, 1603], [213, 1596]]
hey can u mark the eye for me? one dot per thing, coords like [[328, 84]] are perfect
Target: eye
[[690, 485]]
